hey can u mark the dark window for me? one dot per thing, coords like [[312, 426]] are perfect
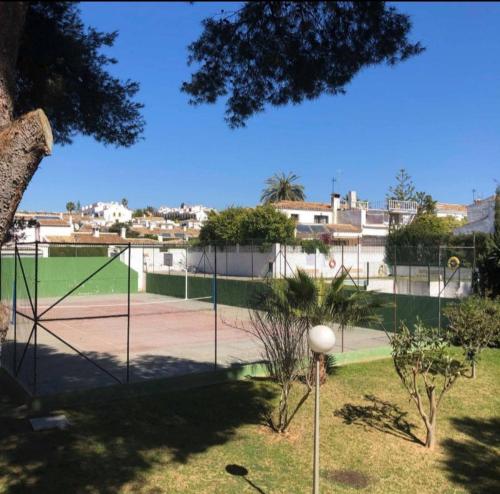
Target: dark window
[[319, 218], [295, 217]]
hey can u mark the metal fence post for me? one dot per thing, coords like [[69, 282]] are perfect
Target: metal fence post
[[394, 290], [35, 316], [251, 250], [215, 307], [128, 314], [14, 306], [439, 288]]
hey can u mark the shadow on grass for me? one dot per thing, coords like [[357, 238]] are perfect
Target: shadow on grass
[[474, 462], [380, 415], [240, 471], [112, 443]]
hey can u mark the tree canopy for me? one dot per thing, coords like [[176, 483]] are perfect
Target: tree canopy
[[276, 53], [237, 225], [61, 68]]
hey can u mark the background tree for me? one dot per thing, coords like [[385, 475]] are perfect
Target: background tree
[[276, 53], [404, 190], [474, 323], [70, 206], [78, 206], [117, 228], [425, 203], [281, 187], [51, 65], [125, 202], [236, 225], [427, 369]]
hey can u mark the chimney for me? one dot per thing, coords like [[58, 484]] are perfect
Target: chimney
[[123, 232], [335, 206], [95, 231], [352, 199]]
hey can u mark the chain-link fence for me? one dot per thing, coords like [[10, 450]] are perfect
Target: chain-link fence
[[87, 315]]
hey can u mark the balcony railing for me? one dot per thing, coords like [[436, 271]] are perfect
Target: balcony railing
[[395, 206]]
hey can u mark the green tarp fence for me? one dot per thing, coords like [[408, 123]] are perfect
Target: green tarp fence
[[241, 293]]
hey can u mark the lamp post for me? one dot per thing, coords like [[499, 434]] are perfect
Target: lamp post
[[321, 340]]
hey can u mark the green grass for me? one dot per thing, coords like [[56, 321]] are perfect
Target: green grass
[[182, 441]]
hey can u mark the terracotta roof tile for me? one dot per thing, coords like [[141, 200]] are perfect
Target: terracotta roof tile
[[310, 206]]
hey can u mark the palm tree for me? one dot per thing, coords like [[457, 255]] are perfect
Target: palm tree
[[281, 187], [280, 318]]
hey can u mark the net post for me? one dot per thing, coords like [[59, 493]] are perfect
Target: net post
[[215, 307], [128, 314]]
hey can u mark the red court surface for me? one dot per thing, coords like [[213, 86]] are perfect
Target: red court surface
[[168, 337]]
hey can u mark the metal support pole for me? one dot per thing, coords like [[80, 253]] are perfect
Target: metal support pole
[[14, 306], [439, 288], [215, 307], [315, 262], [316, 430], [359, 253], [367, 273], [35, 316], [186, 276], [394, 290], [251, 250], [128, 315], [409, 277]]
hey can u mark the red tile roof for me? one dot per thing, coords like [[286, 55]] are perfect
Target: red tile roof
[[310, 206]]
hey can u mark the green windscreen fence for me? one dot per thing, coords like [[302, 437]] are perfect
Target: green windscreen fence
[[242, 293]]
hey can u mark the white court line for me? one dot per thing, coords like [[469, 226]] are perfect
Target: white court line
[[132, 304]]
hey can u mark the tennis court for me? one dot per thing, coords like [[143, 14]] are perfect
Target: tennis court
[[167, 337], [91, 321]]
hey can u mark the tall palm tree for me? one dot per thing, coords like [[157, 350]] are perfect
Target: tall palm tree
[[281, 187]]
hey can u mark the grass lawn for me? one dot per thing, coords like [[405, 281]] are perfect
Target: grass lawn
[[183, 441]]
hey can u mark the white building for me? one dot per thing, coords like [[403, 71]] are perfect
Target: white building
[[41, 226], [481, 217], [457, 211], [349, 219], [196, 215], [106, 213]]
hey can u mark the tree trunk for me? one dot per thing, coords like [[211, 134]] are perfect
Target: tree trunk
[[23, 144], [474, 372], [26, 140], [430, 423]]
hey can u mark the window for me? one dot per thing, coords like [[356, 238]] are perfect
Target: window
[[321, 219], [295, 217]]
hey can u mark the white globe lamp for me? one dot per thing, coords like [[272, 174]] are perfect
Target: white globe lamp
[[321, 339]]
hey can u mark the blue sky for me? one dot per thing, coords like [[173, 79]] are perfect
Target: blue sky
[[437, 115]]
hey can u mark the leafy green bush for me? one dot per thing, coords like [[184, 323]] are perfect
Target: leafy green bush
[[244, 226], [78, 251]]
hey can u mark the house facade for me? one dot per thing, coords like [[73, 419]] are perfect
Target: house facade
[[106, 213]]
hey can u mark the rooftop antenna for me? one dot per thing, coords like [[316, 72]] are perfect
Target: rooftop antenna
[[473, 195], [335, 179]]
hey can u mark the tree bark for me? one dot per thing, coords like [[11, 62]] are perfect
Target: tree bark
[[24, 141], [23, 144]]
